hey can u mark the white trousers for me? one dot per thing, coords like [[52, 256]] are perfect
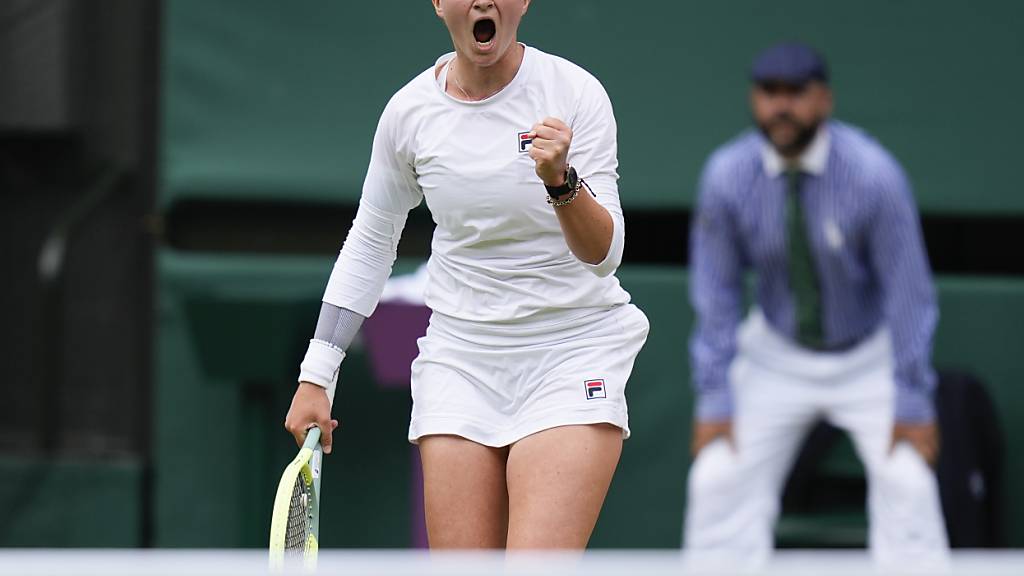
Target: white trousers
[[780, 391]]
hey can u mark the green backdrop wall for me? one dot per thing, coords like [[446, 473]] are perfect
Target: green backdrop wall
[[266, 99]]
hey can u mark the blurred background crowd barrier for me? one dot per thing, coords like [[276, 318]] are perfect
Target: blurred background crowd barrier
[[176, 177]]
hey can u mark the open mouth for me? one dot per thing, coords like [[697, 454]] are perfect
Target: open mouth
[[484, 31]]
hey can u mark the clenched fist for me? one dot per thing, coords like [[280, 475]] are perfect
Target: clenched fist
[[550, 150]]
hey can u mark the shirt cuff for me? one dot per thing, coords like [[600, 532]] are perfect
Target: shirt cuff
[[914, 406], [714, 405], [613, 258], [321, 366]]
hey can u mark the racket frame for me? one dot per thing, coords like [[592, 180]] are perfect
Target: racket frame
[[306, 464]]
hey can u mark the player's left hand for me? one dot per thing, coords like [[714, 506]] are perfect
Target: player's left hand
[[923, 437], [550, 150]]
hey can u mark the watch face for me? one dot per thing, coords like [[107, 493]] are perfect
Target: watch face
[[571, 178]]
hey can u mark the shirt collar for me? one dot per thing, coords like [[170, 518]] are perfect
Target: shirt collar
[[812, 161]]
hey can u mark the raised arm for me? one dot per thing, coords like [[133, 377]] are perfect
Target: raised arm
[[592, 223]]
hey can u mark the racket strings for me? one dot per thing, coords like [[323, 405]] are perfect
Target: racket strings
[[298, 517]]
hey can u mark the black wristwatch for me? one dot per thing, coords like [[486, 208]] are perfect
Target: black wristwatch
[[572, 184]]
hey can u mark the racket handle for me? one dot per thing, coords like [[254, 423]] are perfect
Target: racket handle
[[312, 438]]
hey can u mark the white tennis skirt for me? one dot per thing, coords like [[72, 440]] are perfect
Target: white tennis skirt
[[498, 383]]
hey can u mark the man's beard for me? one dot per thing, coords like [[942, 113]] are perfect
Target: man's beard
[[805, 134]]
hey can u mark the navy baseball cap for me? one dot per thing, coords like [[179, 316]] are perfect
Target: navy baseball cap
[[789, 63]]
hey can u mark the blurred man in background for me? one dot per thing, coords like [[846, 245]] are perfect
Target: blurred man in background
[[842, 327]]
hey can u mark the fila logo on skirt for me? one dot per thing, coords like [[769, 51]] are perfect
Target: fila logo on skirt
[[595, 389]]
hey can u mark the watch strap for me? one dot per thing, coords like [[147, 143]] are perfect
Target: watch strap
[[572, 184]]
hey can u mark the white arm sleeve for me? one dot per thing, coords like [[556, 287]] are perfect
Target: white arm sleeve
[[390, 190], [594, 154]]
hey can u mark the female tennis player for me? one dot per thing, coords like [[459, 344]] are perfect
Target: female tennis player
[[518, 390]]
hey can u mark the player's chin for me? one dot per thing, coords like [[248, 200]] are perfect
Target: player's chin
[[484, 58]]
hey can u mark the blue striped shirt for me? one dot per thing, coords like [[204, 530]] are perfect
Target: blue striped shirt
[[866, 241]]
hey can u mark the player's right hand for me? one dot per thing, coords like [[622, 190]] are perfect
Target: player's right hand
[[310, 407], [705, 432]]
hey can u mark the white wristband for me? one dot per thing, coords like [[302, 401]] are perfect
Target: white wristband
[[321, 365]]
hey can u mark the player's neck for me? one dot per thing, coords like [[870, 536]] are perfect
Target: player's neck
[[480, 82]]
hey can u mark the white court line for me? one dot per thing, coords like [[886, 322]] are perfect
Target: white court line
[[49, 562]]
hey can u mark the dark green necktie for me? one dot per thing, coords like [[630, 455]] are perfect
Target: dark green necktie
[[803, 276]]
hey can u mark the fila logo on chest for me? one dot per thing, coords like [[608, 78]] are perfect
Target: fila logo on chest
[[525, 141]]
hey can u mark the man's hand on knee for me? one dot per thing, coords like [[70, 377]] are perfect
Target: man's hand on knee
[[923, 437], [705, 432]]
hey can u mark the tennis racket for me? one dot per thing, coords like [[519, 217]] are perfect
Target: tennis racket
[[295, 525]]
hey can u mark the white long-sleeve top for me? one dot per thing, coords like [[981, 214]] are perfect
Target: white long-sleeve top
[[498, 253]]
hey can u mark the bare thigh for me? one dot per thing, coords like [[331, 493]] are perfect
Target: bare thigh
[[464, 493], [557, 482]]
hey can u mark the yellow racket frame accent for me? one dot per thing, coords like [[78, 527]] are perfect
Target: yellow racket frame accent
[[307, 464]]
